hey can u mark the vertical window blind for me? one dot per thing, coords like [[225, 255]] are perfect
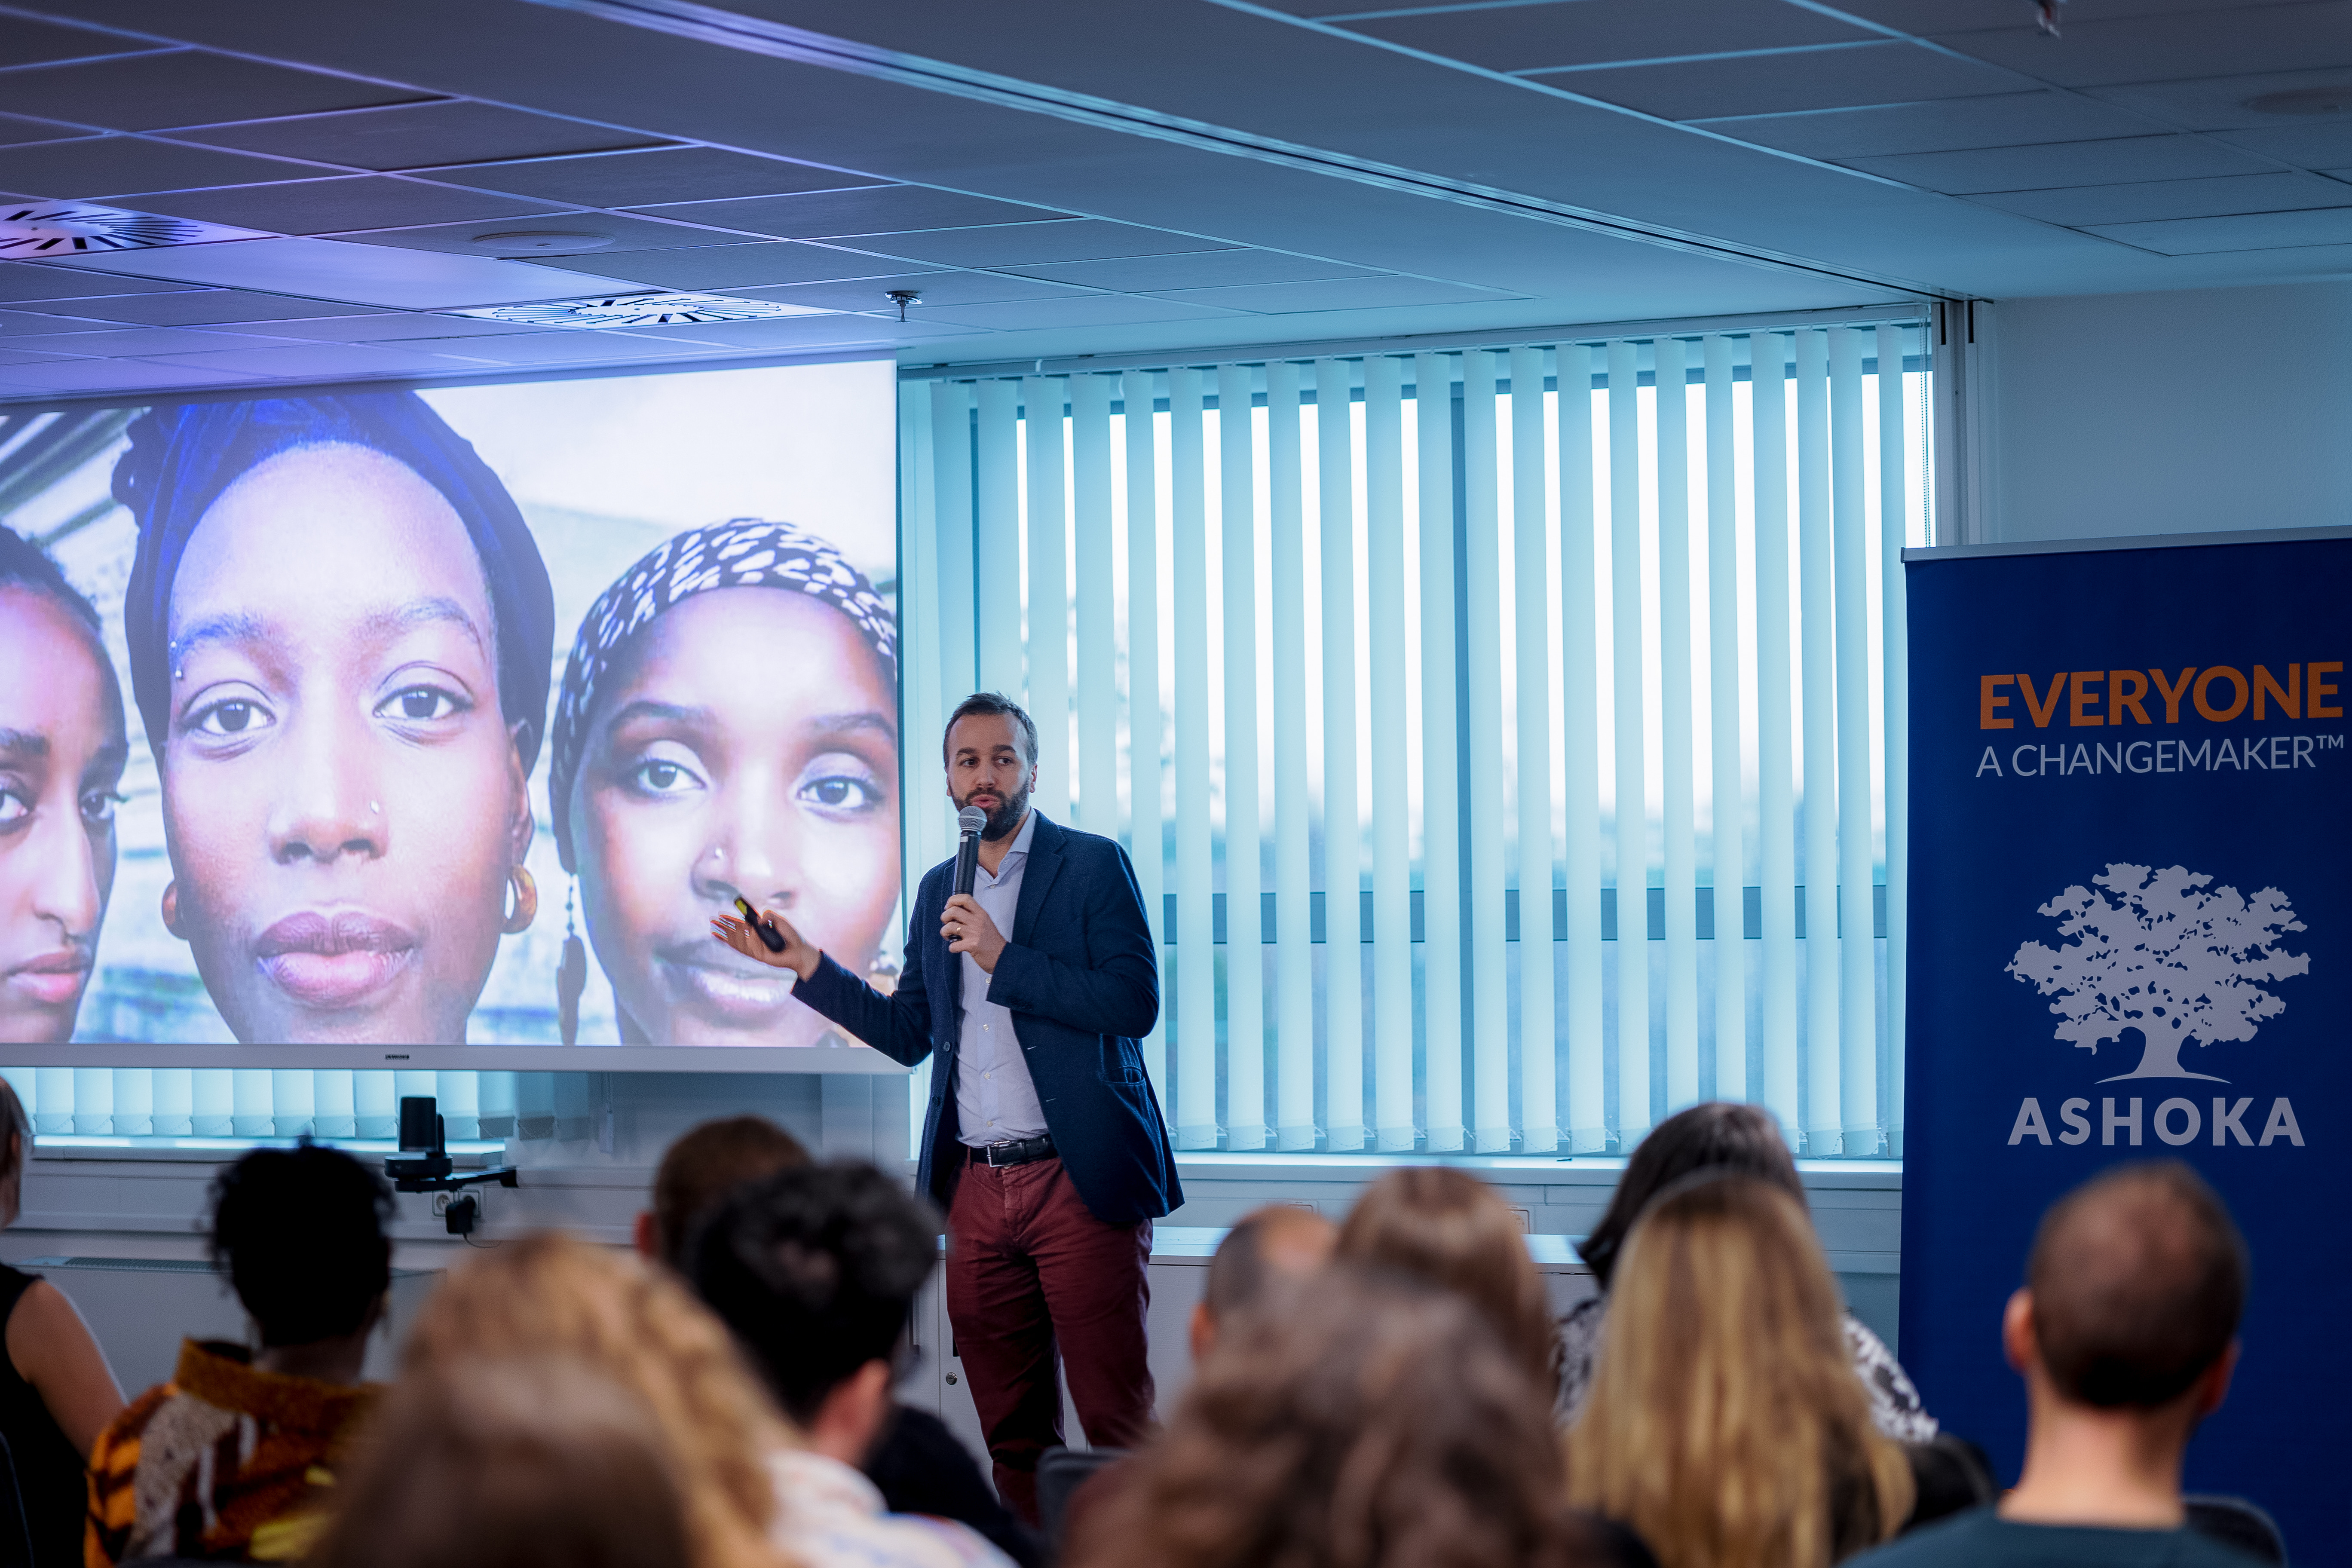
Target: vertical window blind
[[279, 1103], [1510, 741]]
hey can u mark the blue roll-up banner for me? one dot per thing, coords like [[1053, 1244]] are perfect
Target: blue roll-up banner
[[2130, 937]]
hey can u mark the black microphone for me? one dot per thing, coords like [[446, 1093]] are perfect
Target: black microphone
[[971, 822]]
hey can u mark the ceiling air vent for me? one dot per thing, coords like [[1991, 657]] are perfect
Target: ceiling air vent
[[30, 231], [650, 310]]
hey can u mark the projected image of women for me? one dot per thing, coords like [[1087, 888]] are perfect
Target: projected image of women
[[62, 751], [340, 633], [728, 726]]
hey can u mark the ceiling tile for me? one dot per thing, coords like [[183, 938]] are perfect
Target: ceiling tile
[[117, 375], [1771, 84], [647, 179], [2219, 103], [1091, 310], [321, 359], [15, 323], [2233, 42], [200, 309], [1587, 32], [762, 263], [937, 288], [2322, 145], [1199, 269], [25, 42], [875, 209], [149, 92], [15, 130], [1017, 244], [355, 276], [415, 135], [1338, 294], [11, 356], [393, 327], [2065, 163], [1945, 125], [24, 281], [136, 340], [1931, 16], [2257, 231], [811, 332], [2157, 199], [101, 166], [328, 206], [571, 347], [627, 233]]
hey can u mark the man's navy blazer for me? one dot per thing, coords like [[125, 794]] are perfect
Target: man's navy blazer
[[1082, 981]]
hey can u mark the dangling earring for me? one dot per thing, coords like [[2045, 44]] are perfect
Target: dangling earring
[[570, 974], [526, 902], [172, 909]]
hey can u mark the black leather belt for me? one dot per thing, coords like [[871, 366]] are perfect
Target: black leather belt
[[1019, 1151]]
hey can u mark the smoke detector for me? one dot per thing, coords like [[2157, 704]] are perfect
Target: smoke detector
[[2304, 100], [646, 310], [32, 231], [540, 242]]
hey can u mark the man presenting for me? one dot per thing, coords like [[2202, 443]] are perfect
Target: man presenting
[[1042, 1143]]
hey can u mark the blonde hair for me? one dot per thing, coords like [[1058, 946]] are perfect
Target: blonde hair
[[1726, 1424], [1445, 1228], [550, 1295]]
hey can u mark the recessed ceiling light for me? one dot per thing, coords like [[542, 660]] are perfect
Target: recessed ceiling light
[[540, 242], [2304, 100], [649, 309], [31, 231]]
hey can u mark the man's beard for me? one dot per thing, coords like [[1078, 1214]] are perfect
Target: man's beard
[[1006, 818]]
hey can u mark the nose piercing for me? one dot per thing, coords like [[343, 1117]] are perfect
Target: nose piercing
[[375, 807]]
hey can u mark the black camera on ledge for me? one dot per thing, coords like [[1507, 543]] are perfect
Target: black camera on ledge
[[432, 1170]]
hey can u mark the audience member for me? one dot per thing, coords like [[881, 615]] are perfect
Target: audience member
[[517, 1462], [638, 1328], [1449, 1229], [1718, 1136], [236, 1455], [1373, 1423], [1267, 1249], [816, 1269], [2126, 1332], [702, 1167], [1725, 1422], [57, 1392]]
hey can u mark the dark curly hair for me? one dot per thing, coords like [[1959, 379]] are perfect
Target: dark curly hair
[[299, 1233], [1369, 1423]]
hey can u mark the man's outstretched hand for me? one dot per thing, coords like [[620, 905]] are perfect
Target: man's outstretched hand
[[799, 955]]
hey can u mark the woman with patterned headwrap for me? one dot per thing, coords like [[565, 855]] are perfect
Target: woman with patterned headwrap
[[728, 727], [340, 632]]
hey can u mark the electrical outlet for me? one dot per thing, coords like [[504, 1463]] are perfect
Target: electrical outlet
[[441, 1203]]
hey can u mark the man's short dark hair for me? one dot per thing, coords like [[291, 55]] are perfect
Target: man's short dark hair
[[701, 1168], [982, 704], [816, 1269], [299, 1233], [2138, 1279]]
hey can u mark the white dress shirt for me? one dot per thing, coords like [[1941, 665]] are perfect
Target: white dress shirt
[[995, 1101], [831, 1516]]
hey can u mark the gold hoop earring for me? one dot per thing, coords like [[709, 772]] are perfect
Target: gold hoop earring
[[526, 902]]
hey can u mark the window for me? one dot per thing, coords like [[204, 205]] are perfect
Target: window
[[245, 1103], [1304, 611]]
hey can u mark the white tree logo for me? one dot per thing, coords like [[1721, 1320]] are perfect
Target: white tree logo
[[2157, 953]]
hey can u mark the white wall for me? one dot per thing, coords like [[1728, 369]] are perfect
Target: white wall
[[2176, 413]]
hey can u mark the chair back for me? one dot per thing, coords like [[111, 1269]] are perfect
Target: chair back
[[1060, 1473], [2236, 1521]]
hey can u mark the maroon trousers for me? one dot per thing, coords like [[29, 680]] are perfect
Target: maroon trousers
[[1031, 1271]]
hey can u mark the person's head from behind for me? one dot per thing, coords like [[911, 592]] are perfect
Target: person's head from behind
[[636, 1326], [2132, 1299], [1374, 1422], [728, 727], [299, 1233], [62, 751], [535, 1462], [701, 1169], [15, 1146], [990, 752], [1725, 1422], [816, 1269], [1266, 1253], [1718, 1135], [1448, 1228]]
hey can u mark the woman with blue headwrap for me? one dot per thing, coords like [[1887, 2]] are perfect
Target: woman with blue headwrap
[[340, 632], [728, 727]]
